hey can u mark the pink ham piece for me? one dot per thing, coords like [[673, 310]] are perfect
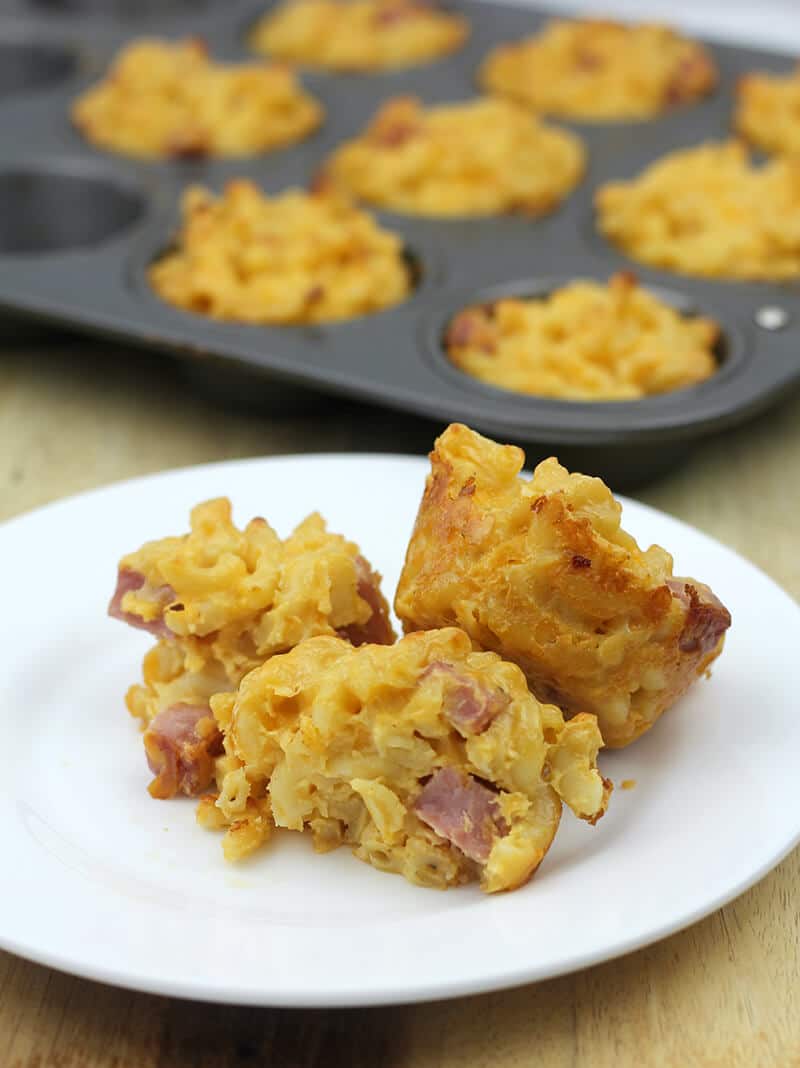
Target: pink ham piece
[[129, 580], [394, 132], [468, 705], [707, 618], [691, 73], [377, 630], [460, 809], [180, 745], [391, 14], [474, 328]]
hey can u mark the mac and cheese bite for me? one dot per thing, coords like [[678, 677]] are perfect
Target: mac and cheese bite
[[294, 258], [768, 112], [584, 342], [427, 758], [167, 100], [599, 70], [540, 571], [708, 211], [482, 157], [221, 601], [359, 35]]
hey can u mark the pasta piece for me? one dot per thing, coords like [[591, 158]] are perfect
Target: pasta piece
[[221, 601], [540, 571]]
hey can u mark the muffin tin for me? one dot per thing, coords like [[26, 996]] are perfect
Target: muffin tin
[[78, 229]]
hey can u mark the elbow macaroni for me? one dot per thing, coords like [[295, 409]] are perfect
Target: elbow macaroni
[[541, 571], [162, 100], [341, 742]]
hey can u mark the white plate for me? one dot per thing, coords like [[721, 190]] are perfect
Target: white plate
[[102, 881]]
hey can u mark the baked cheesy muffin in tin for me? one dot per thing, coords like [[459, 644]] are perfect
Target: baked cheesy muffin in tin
[[164, 99], [292, 258], [768, 112], [482, 157], [708, 210], [221, 601], [359, 35], [599, 70], [583, 342], [425, 757], [540, 571]]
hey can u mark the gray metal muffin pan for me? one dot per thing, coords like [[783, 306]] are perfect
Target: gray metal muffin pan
[[79, 227]]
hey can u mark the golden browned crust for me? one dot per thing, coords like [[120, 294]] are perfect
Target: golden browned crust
[[541, 571], [586, 341], [768, 112], [289, 259], [597, 69], [348, 743], [164, 99], [359, 35], [709, 211], [482, 157]]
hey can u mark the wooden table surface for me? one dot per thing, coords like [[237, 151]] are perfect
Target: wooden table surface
[[722, 994]]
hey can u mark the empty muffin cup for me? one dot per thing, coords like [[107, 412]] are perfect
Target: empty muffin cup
[[121, 9], [50, 212], [26, 67]]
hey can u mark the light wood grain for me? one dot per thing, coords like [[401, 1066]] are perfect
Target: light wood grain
[[720, 995]]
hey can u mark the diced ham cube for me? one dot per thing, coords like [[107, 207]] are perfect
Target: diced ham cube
[[180, 745], [707, 618], [468, 705], [460, 809], [129, 580], [377, 630]]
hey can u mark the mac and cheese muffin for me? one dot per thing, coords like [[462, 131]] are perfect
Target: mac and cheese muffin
[[221, 601], [768, 112], [708, 211], [540, 571], [425, 757], [288, 259], [586, 341], [483, 157], [600, 70], [359, 35], [164, 99]]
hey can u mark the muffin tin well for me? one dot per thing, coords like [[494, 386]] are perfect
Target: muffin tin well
[[79, 227]]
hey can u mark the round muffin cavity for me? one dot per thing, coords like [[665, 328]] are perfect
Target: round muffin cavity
[[600, 70], [708, 211], [482, 157], [292, 258], [768, 112], [584, 342], [26, 67], [359, 35], [165, 100], [50, 211]]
